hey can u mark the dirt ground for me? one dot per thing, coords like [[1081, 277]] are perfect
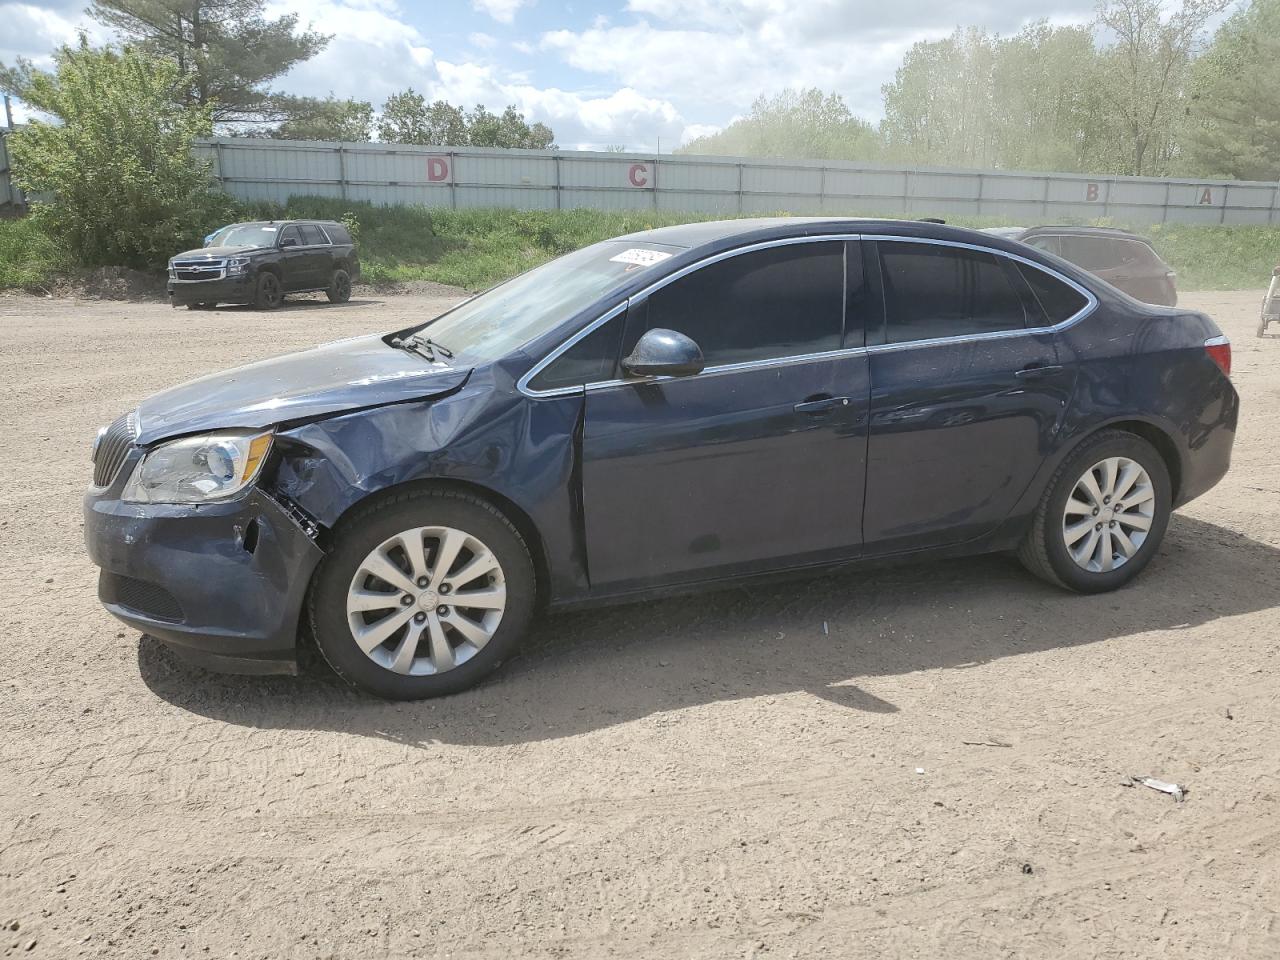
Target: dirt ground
[[796, 771]]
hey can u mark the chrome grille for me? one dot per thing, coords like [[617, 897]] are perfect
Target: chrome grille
[[189, 271], [110, 451]]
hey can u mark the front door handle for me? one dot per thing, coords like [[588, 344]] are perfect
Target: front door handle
[[816, 406], [1034, 371]]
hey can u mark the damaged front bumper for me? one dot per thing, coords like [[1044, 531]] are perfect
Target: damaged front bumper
[[222, 583]]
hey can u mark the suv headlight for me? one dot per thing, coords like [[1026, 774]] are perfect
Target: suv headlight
[[199, 469], [237, 266], [173, 274]]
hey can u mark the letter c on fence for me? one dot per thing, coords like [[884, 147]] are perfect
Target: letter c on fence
[[437, 169], [637, 175]]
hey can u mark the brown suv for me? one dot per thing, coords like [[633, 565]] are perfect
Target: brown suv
[[1124, 260]]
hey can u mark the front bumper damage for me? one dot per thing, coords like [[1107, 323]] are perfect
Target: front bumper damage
[[222, 583]]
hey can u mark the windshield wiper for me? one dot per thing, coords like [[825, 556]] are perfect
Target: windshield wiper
[[423, 346]]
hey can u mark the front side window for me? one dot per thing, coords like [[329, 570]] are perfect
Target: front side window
[[592, 359], [768, 304], [290, 236], [934, 291]]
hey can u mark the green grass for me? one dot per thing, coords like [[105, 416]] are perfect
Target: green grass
[[474, 249], [28, 258]]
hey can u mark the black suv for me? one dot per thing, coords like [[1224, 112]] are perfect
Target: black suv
[[259, 263]]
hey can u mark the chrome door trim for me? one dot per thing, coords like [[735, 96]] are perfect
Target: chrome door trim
[[1091, 304]]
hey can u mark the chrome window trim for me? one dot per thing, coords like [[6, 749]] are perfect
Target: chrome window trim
[[1091, 304]]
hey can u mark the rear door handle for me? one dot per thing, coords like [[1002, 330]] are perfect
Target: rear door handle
[[816, 406], [1036, 370]]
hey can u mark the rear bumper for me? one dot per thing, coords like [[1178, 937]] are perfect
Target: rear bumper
[[223, 584], [1209, 440], [229, 290]]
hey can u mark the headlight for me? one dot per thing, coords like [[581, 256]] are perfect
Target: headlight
[[199, 469], [237, 265], [173, 274]]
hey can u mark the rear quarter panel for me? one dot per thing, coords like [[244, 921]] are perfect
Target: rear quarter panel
[[1147, 364]]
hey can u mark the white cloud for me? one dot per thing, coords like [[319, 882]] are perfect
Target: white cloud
[[504, 11], [482, 41], [710, 55]]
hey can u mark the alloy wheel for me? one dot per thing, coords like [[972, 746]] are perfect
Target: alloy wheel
[[426, 600], [1108, 514]]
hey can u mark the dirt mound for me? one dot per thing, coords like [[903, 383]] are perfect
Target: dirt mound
[[110, 283]]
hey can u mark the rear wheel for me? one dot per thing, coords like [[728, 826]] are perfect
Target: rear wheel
[[269, 293], [1102, 517], [339, 287], [423, 595]]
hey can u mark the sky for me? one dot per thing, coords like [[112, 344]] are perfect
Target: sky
[[643, 74]]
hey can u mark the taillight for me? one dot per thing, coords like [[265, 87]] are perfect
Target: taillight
[[1219, 351]]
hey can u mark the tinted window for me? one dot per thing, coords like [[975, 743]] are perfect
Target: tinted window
[[311, 234], [337, 233], [937, 291], [290, 233], [1092, 253], [590, 360], [1049, 243], [779, 302], [1058, 300]]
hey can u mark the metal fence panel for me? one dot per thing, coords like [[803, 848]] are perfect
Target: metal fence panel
[[542, 180]]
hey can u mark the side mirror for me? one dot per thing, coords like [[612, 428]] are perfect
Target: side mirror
[[289, 242], [664, 353]]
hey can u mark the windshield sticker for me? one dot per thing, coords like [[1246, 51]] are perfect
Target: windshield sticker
[[640, 257]]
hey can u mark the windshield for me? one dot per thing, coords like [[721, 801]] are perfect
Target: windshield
[[511, 314], [244, 235]]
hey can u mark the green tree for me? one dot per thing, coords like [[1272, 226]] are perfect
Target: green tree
[[1145, 74], [1235, 100], [122, 185], [312, 118], [804, 124], [227, 52], [408, 118]]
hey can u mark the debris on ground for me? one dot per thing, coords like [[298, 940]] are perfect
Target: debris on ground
[[1177, 791], [989, 742]]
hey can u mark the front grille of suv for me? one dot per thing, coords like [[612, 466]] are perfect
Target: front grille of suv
[[110, 453], [195, 270]]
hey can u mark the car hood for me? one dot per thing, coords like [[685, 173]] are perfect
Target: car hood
[[329, 379], [217, 253]]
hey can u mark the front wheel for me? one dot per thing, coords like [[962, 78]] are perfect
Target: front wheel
[[1102, 517], [270, 293], [423, 595], [339, 287]]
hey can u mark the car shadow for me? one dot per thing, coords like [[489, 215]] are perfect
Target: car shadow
[[826, 635]]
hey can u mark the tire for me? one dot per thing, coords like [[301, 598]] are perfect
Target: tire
[[269, 293], [343, 578], [1045, 550], [1262, 326], [201, 306], [339, 290]]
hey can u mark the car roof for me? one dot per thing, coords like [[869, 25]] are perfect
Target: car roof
[[278, 223], [1085, 231], [730, 233]]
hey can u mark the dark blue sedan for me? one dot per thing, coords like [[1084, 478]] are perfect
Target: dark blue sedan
[[679, 408]]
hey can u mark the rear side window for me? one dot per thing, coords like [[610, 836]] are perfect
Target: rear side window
[[311, 234], [591, 360], [1049, 243], [1058, 300], [1092, 253], [337, 233], [783, 301], [933, 291]]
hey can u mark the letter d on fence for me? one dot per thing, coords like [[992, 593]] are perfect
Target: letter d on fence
[[437, 169], [638, 174]]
